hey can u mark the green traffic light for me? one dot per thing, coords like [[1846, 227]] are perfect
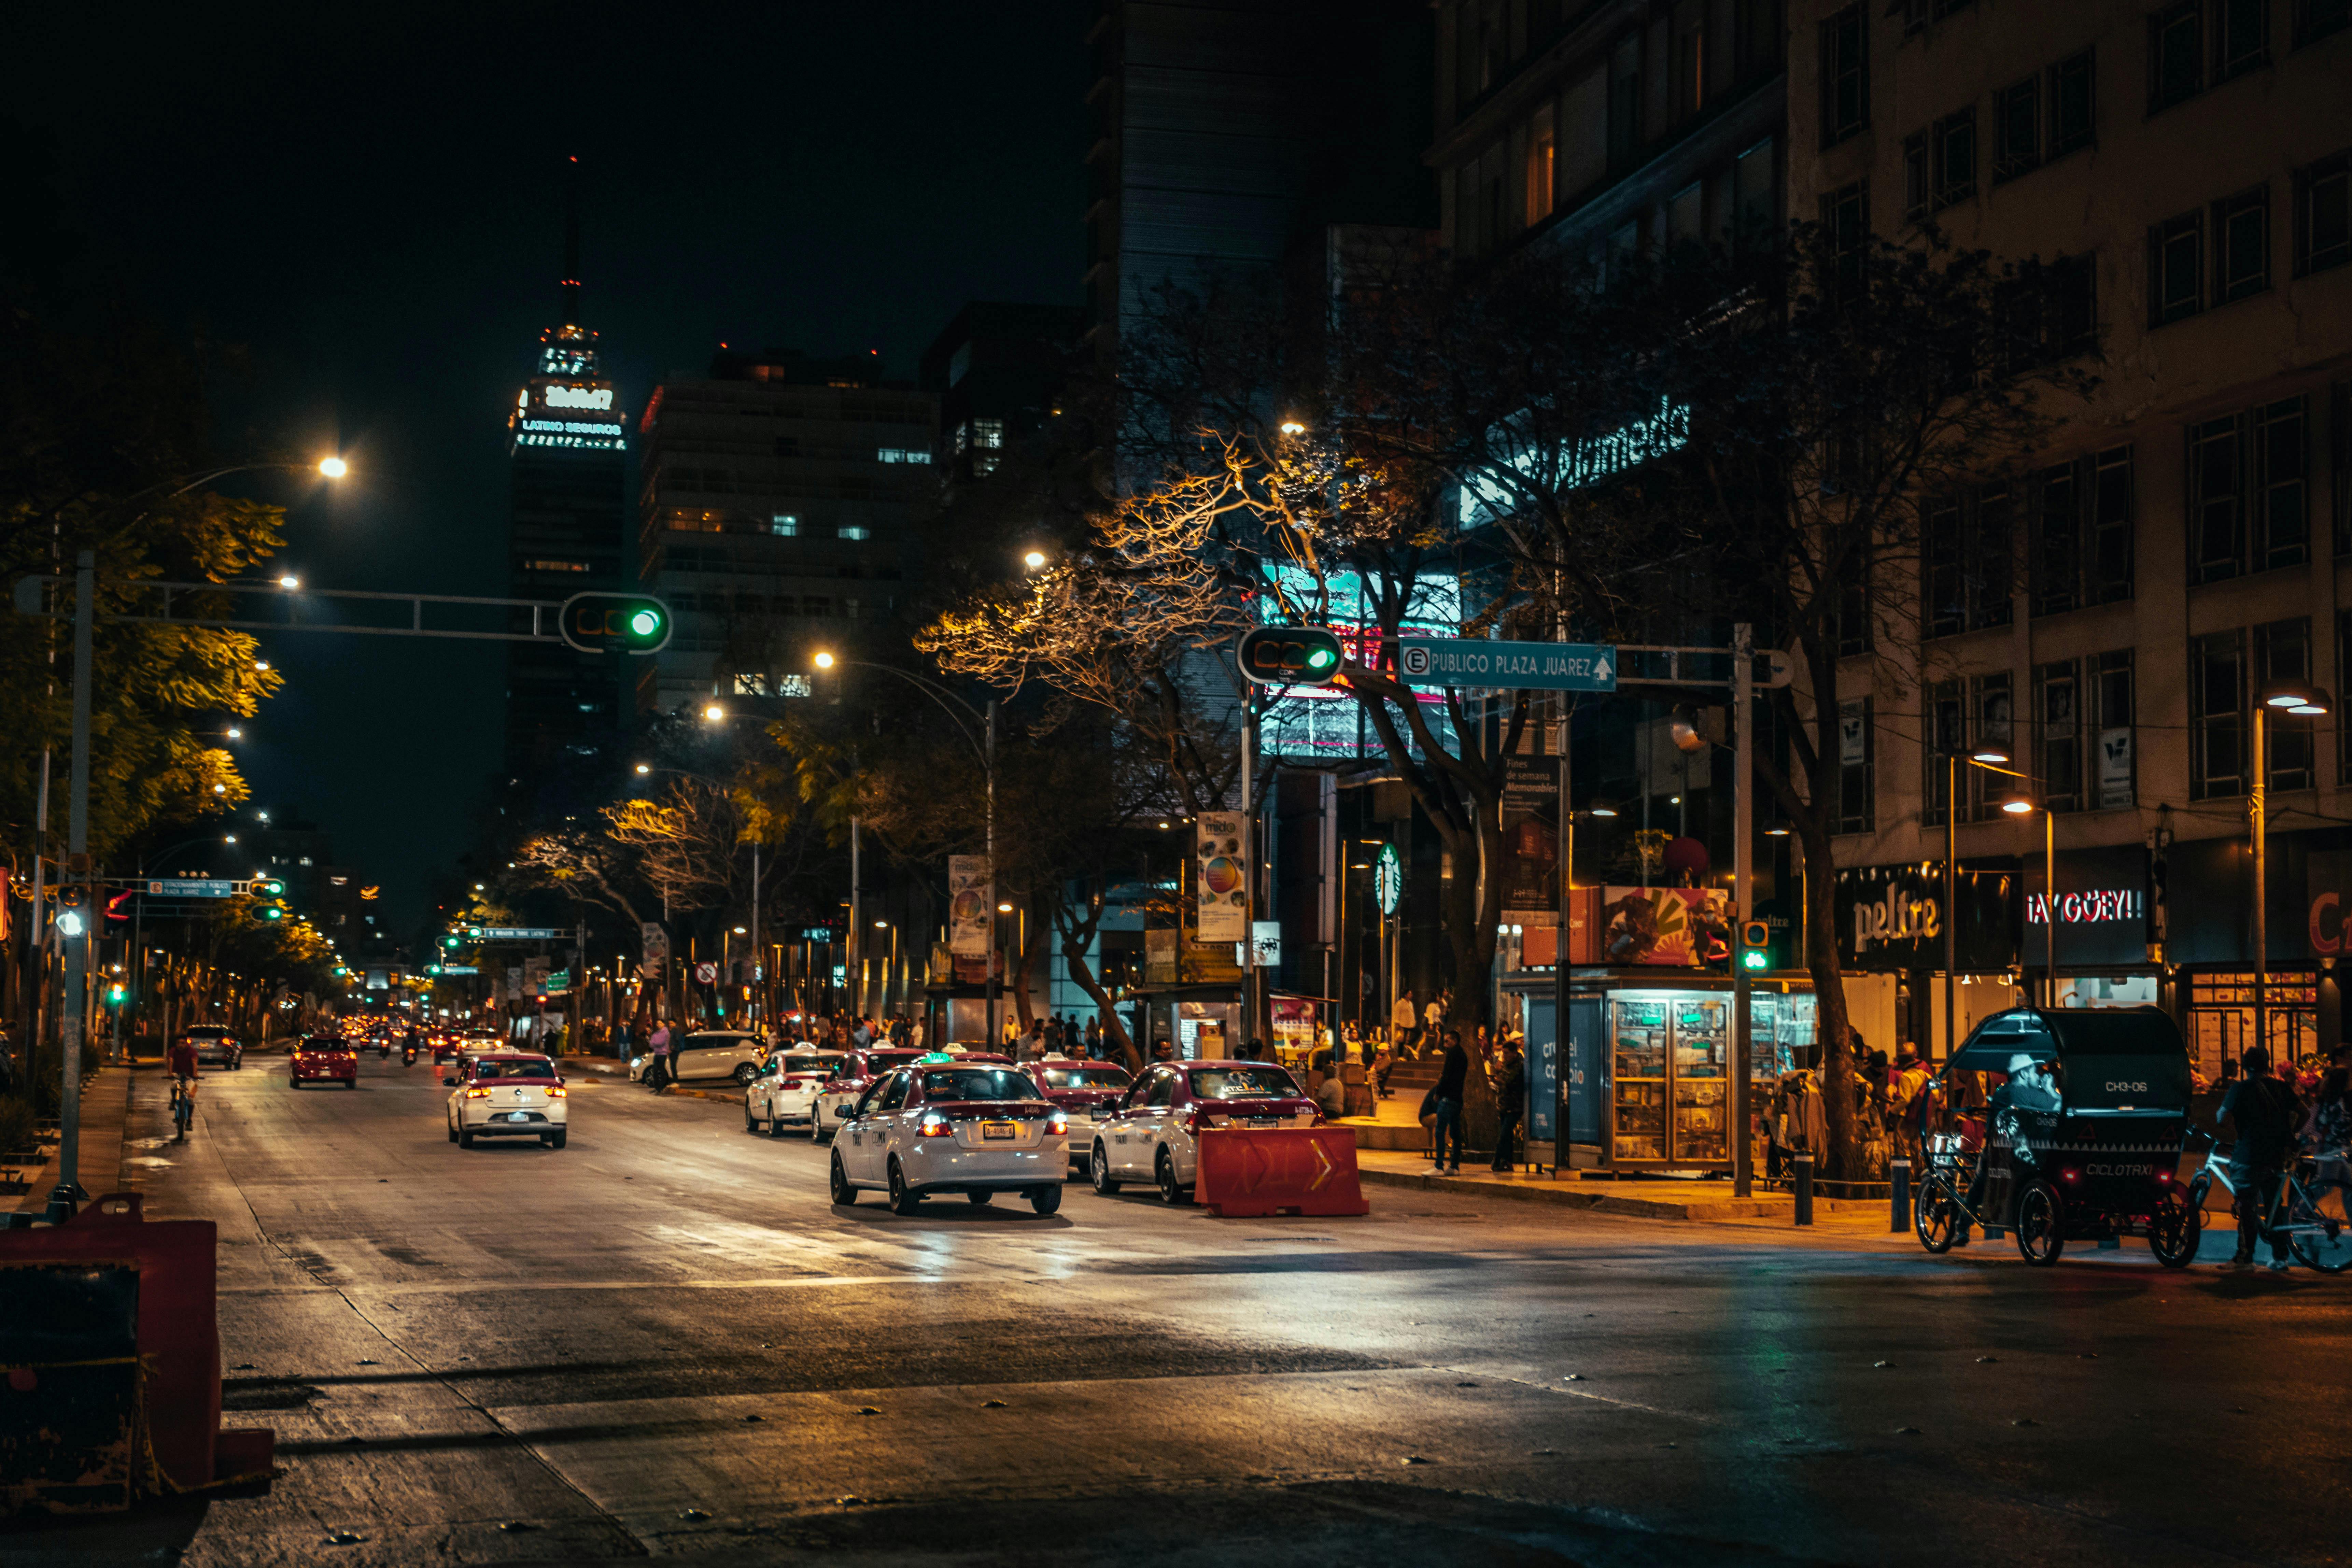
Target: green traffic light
[[272, 912], [1321, 658], [645, 623], [1756, 958]]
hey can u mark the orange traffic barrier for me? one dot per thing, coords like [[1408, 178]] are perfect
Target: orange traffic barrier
[[110, 1363], [1289, 1170]]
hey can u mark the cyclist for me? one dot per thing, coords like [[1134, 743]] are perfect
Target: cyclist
[[181, 1064], [2265, 1112]]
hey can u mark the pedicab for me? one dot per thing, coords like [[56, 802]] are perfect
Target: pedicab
[[2081, 1142]]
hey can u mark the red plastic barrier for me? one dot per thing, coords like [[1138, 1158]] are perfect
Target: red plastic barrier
[[1289, 1170], [179, 1337]]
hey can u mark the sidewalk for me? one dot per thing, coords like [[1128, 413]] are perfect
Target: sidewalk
[[105, 1113]]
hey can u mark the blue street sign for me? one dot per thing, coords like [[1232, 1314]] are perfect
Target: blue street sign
[[194, 888], [1528, 666], [455, 968]]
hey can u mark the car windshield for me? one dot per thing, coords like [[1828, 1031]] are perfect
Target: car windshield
[[1084, 1078], [542, 1067], [882, 1061], [809, 1061], [977, 1083], [1241, 1083]]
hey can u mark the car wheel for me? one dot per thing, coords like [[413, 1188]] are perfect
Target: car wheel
[[1098, 1168], [452, 1130], [464, 1140], [904, 1199], [1164, 1171], [237, 1065], [351, 1083], [750, 1122], [775, 1124], [2040, 1225], [745, 1072], [558, 1140], [1045, 1200], [292, 1082], [843, 1192], [978, 1200]]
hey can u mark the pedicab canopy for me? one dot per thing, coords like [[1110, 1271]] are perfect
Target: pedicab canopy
[[2106, 1058]]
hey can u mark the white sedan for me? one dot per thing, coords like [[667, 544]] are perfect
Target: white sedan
[[941, 1126], [784, 1091], [506, 1094]]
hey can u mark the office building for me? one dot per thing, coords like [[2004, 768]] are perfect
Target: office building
[[998, 370], [776, 506]]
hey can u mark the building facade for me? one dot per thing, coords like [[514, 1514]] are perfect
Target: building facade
[[2111, 615], [776, 506], [998, 370]]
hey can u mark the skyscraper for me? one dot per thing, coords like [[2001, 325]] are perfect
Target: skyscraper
[[567, 529]]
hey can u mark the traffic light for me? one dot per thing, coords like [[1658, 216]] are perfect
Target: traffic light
[[1756, 945], [114, 995], [615, 623], [272, 912], [268, 887], [1290, 656], [449, 941]]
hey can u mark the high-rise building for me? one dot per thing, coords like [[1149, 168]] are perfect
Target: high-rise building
[[776, 513], [567, 532], [2112, 610], [997, 369]]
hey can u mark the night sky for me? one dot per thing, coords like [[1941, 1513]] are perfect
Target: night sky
[[370, 199]]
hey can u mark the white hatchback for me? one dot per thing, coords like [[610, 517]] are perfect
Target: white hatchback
[[944, 1126], [785, 1090], [508, 1094]]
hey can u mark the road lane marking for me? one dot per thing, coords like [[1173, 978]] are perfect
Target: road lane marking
[[444, 1288]]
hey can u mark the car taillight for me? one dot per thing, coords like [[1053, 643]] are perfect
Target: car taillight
[[1197, 1121], [478, 1094], [556, 1093], [933, 1126], [1058, 1125]]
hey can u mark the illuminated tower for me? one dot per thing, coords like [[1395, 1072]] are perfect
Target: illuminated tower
[[566, 533]]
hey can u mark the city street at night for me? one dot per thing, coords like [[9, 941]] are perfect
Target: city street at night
[[664, 1339]]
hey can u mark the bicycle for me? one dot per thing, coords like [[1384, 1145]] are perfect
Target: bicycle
[[1941, 1214], [183, 1104], [2314, 1216]]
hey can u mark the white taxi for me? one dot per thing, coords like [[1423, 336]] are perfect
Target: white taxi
[[1152, 1133], [508, 1094], [946, 1126], [785, 1091]]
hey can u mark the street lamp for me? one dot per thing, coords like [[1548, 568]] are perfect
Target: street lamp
[[986, 749], [2300, 699], [1033, 559], [1992, 759], [333, 467], [2019, 803]]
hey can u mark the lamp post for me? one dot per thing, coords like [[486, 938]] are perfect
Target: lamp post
[[986, 749], [2303, 700], [1990, 758]]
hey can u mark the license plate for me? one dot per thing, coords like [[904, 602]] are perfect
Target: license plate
[[516, 1116], [1262, 1121], [998, 1130]]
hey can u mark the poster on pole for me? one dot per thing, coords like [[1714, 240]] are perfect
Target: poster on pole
[[1531, 841], [657, 950], [970, 900], [1224, 878]]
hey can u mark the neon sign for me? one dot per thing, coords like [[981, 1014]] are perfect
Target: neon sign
[[600, 398], [2086, 909]]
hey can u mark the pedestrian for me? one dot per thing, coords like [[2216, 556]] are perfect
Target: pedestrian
[[1401, 1019], [1913, 1104], [1161, 1051], [1330, 1098], [657, 1069], [2330, 1128], [1452, 1076], [1094, 1038], [914, 1035], [2264, 1113], [1511, 1101], [1432, 1021]]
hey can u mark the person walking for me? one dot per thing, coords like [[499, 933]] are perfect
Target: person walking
[[658, 1074], [1451, 1075], [2264, 1113], [1401, 1019], [1511, 1101], [1094, 1038]]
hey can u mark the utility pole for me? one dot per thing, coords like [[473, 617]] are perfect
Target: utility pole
[[68, 1194], [1743, 886], [989, 988], [1249, 847]]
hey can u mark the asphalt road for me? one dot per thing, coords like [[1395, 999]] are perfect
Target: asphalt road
[[664, 1339]]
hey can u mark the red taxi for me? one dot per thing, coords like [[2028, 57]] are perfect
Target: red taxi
[[1081, 1090], [1152, 1133], [853, 1074], [323, 1058]]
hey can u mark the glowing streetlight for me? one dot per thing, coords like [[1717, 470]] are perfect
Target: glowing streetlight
[[1033, 559], [713, 713], [333, 467], [1004, 909], [1293, 427], [220, 789], [824, 661], [235, 733], [642, 768], [261, 664], [289, 581]]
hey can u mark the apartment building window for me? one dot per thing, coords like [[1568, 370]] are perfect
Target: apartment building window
[[1625, 102], [551, 565], [1757, 29], [853, 531], [1967, 548], [2339, 450], [2343, 730], [1917, 13], [2082, 732], [2242, 36], [1482, 31], [1687, 89], [1992, 707], [2282, 652], [2017, 130], [1853, 632], [1939, 164], [2073, 104], [1946, 732], [1845, 75], [2058, 732], [2314, 19], [2176, 54], [2247, 500], [1845, 225], [2323, 218], [784, 525], [2113, 754], [2176, 280], [1542, 171], [1857, 748], [2242, 249], [2082, 543], [1755, 192], [2217, 718]]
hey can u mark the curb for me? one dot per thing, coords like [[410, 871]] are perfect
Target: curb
[[1599, 1202]]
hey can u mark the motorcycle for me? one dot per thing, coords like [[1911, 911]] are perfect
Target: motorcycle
[[383, 1050], [408, 1055]]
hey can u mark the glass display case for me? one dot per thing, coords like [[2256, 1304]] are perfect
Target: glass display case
[[1670, 1064], [1639, 1032]]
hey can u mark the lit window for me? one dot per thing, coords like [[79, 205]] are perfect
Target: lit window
[[853, 531], [555, 566], [988, 433], [793, 686], [901, 455], [750, 686], [786, 524]]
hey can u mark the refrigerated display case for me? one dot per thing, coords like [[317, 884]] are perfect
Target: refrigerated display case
[[1670, 1056], [1638, 1034]]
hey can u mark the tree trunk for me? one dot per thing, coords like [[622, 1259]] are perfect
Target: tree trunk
[[1077, 934], [1829, 991], [1471, 907]]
